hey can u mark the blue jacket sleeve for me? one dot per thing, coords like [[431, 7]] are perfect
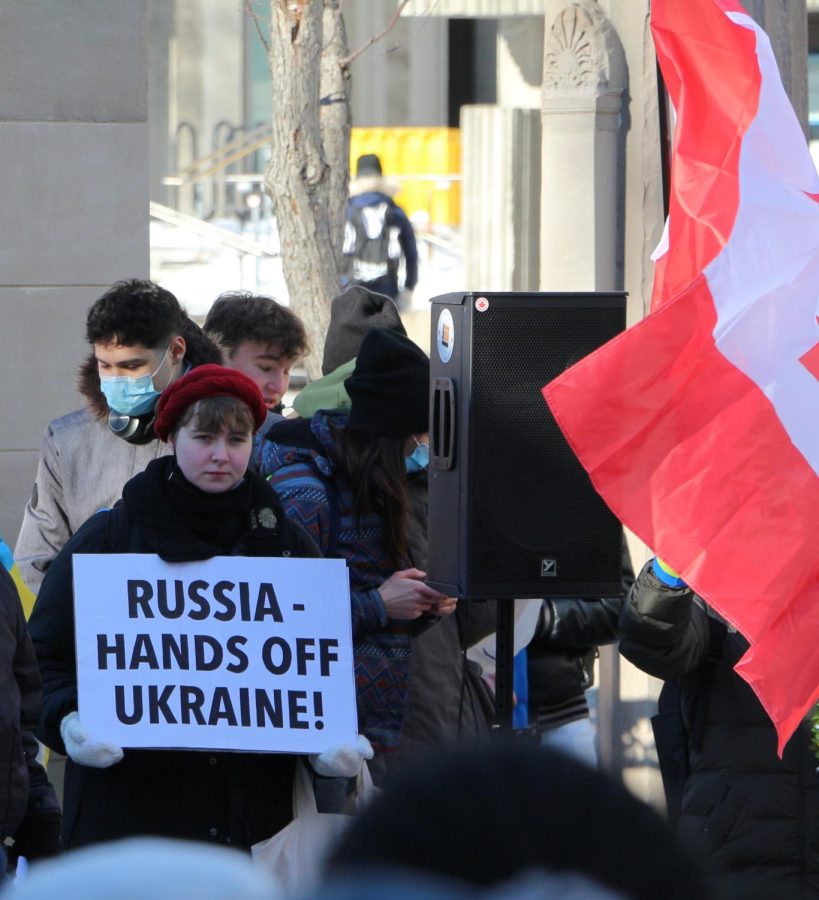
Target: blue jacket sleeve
[[406, 238]]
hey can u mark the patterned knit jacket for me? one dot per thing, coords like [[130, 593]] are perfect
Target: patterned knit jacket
[[300, 459]]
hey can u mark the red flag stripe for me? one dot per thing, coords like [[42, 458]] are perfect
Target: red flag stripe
[[718, 105], [669, 475]]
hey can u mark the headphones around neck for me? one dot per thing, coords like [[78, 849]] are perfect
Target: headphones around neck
[[133, 429]]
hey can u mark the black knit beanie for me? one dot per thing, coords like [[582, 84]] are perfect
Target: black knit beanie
[[352, 314], [368, 164], [389, 387]]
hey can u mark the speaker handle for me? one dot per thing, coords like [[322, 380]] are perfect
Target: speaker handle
[[443, 424]]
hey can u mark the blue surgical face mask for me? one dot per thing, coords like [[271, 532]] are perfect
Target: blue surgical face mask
[[418, 459], [131, 396]]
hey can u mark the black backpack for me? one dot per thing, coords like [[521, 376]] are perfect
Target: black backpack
[[370, 245]]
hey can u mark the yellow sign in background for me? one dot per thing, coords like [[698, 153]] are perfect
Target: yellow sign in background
[[426, 162]]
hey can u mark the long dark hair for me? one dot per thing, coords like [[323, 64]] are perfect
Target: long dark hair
[[374, 468]]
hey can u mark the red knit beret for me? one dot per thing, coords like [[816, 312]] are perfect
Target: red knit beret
[[206, 381]]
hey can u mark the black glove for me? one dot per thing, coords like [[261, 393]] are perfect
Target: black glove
[[38, 837]]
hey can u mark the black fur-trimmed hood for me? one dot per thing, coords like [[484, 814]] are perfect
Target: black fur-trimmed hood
[[200, 350]]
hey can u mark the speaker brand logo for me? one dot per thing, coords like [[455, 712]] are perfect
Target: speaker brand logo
[[482, 304], [445, 336], [548, 568]]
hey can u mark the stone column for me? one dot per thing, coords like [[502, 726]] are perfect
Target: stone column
[[73, 204], [584, 78], [500, 151]]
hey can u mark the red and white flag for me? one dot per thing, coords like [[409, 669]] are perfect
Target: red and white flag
[[699, 426]]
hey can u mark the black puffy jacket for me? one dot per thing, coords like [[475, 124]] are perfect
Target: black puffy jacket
[[24, 788], [221, 797], [560, 657], [752, 817]]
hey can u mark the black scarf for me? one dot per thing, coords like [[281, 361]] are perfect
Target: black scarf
[[180, 522]]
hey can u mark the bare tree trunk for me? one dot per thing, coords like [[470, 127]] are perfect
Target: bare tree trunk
[[308, 173], [335, 120]]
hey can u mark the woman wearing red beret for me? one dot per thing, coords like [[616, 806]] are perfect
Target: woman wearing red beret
[[198, 503]]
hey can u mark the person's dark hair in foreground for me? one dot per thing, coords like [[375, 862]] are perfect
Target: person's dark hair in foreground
[[486, 812]]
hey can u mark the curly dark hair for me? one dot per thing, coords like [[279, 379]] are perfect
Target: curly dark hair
[[239, 316], [134, 312]]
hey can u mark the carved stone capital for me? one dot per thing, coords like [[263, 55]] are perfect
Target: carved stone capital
[[582, 54]]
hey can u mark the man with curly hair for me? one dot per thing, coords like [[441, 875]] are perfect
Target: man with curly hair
[[141, 341]]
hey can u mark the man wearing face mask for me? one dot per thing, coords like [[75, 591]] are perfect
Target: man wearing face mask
[[141, 341]]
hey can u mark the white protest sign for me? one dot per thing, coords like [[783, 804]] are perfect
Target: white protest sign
[[231, 653]]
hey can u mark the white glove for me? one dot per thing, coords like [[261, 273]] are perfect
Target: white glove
[[342, 761], [78, 747]]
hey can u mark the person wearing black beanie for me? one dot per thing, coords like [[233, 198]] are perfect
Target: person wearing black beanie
[[389, 387], [346, 479]]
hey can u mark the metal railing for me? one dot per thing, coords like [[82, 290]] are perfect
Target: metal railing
[[221, 236]]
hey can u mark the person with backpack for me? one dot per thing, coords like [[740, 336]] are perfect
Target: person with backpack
[[199, 502], [377, 234]]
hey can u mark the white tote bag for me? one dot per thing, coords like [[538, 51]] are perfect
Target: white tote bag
[[295, 855]]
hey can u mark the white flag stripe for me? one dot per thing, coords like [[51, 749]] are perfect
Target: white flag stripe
[[765, 281]]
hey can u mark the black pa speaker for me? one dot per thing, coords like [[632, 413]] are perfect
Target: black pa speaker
[[512, 513]]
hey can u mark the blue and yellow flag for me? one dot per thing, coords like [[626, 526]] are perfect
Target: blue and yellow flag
[[7, 560]]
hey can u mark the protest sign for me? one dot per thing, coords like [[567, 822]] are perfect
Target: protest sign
[[230, 653]]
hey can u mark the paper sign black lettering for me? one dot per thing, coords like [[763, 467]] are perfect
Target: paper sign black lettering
[[139, 597], [234, 647], [269, 647], [221, 707], [297, 707], [170, 607], [175, 646], [158, 704], [104, 649], [304, 653], [270, 708], [191, 700], [328, 648], [143, 652], [267, 604], [207, 652], [201, 609], [119, 702], [318, 709], [220, 595]]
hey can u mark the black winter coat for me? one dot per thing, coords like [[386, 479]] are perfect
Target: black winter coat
[[24, 788], [224, 797], [448, 701], [753, 818], [560, 657]]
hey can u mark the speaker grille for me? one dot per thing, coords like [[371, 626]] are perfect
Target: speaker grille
[[522, 472]]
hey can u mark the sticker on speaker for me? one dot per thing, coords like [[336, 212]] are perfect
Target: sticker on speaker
[[445, 336], [482, 304], [548, 568]]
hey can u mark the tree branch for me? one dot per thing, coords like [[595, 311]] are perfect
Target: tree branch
[[253, 15], [375, 38]]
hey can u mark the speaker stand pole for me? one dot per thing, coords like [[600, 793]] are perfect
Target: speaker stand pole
[[504, 665]]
